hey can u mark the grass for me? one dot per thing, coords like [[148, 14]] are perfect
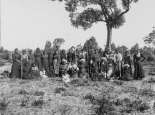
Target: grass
[[64, 109], [4, 104], [80, 98], [136, 105]]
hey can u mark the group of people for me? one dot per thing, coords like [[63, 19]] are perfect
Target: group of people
[[94, 64]]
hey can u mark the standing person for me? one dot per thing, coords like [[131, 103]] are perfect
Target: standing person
[[127, 66], [92, 64], [63, 67], [138, 69], [56, 61], [45, 62], [71, 55], [50, 59], [25, 65], [63, 55], [104, 67], [82, 69], [118, 64], [30, 57], [37, 56], [16, 66]]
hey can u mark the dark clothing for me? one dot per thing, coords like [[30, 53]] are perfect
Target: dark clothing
[[138, 69], [63, 69], [71, 57], [104, 67], [50, 59], [31, 58], [26, 69], [56, 62], [63, 55], [128, 60], [38, 63], [16, 66], [45, 63]]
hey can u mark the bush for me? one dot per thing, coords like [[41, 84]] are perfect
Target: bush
[[89, 97], [23, 92], [38, 103], [59, 90], [4, 104], [106, 107], [150, 59], [147, 92], [39, 93]]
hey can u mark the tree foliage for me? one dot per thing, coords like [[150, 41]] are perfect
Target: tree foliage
[[85, 13], [108, 11], [150, 38], [58, 42], [90, 44]]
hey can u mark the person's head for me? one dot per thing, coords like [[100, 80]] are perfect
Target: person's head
[[116, 51], [24, 51], [136, 51], [16, 50], [44, 52], [63, 51], [30, 51], [127, 53], [38, 50]]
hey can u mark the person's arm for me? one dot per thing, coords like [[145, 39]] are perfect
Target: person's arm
[[142, 58]]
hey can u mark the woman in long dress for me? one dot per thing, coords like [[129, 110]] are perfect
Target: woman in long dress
[[56, 62], [38, 55], [127, 67], [138, 69], [16, 66], [45, 62]]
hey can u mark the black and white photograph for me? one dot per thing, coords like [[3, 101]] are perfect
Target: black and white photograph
[[77, 57]]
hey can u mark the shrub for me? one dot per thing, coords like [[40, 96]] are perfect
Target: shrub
[[38, 103], [106, 107], [150, 58], [89, 97], [59, 90], [147, 92], [23, 92], [4, 104], [39, 93]]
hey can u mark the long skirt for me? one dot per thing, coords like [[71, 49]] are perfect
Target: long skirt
[[16, 70], [118, 69], [38, 63], [46, 67], [56, 66], [138, 71], [127, 75]]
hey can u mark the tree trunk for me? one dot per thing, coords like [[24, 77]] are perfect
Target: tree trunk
[[109, 38]]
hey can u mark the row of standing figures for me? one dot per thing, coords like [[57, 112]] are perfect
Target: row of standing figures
[[90, 65]]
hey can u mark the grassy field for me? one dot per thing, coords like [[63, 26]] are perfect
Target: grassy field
[[52, 97]]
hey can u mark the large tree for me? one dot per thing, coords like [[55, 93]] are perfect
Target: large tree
[[85, 13]]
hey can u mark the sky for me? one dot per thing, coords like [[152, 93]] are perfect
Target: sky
[[30, 23]]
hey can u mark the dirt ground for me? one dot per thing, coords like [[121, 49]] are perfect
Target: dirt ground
[[52, 97]]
